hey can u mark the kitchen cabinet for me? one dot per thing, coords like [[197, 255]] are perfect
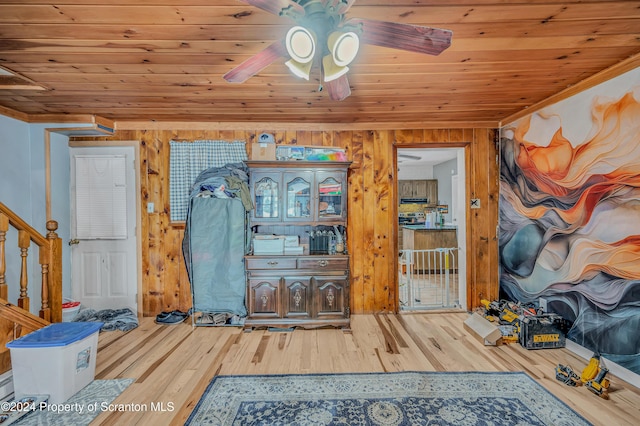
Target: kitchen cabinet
[[419, 188], [405, 189], [308, 289]]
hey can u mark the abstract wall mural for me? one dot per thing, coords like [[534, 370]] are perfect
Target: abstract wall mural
[[570, 215]]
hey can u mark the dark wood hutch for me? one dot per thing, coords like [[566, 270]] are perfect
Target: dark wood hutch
[[307, 285]]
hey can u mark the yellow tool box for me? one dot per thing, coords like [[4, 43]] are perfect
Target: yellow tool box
[[542, 331]]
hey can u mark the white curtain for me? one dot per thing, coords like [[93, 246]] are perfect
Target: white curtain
[[101, 197]]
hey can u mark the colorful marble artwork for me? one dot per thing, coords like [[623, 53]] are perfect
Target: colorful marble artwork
[[570, 217]]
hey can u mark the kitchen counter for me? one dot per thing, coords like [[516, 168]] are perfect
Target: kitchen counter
[[421, 227]]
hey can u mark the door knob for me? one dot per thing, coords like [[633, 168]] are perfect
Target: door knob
[[74, 242]]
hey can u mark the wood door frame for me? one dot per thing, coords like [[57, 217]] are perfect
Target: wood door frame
[[138, 237], [466, 146]]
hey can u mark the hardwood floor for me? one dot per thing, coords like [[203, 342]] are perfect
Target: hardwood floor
[[174, 364]]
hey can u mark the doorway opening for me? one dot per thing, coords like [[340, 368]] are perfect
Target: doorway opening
[[431, 228]]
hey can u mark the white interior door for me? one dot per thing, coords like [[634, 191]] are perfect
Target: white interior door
[[103, 218]]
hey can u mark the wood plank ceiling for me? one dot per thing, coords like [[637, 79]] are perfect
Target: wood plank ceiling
[[163, 60]]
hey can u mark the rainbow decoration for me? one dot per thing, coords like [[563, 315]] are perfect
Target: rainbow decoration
[[333, 156]]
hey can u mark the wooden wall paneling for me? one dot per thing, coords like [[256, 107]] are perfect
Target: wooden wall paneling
[[175, 290], [368, 224], [487, 266], [240, 135], [371, 221], [355, 235], [290, 137], [303, 137], [457, 135], [403, 136], [172, 244], [383, 282], [482, 232], [436, 135], [318, 137], [342, 139], [280, 137], [154, 150], [472, 219], [490, 264], [328, 138], [226, 135], [144, 220]]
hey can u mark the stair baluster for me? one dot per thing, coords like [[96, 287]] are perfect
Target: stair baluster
[[24, 242]]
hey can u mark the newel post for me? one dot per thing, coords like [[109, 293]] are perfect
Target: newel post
[[54, 272]]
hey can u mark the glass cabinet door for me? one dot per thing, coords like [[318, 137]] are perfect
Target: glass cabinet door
[[298, 202], [266, 197], [330, 197]]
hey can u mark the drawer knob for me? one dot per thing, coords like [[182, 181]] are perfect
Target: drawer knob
[[272, 263], [323, 263]]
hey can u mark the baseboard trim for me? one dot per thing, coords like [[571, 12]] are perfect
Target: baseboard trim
[[615, 369]]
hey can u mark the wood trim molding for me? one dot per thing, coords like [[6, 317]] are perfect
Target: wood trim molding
[[12, 113], [252, 126]]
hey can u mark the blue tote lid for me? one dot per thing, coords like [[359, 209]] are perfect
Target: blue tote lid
[[57, 334]]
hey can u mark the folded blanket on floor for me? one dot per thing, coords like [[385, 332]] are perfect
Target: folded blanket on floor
[[113, 319]]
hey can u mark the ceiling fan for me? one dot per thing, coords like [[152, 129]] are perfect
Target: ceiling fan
[[409, 157], [322, 30]]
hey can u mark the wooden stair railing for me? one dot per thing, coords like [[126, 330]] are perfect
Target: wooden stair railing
[[50, 259]]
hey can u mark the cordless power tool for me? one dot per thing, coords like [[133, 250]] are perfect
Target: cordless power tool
[[594, 377]]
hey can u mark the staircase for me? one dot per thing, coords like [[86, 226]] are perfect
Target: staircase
[[16, 320]]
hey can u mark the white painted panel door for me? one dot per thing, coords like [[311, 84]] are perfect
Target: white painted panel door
[[103, 209]]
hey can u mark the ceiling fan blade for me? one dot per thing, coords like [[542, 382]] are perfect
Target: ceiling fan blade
[[275, 6], [410, 157], [339, 88], [413, 38], [257, 63]]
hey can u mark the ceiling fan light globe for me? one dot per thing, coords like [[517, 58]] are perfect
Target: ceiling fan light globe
[[300, 44], [343, 47], [299, 69], [330, 70]]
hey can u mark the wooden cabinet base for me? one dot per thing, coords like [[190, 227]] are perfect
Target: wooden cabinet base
[[297, 291]]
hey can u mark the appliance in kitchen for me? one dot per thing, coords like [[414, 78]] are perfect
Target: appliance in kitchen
[[411, 218]]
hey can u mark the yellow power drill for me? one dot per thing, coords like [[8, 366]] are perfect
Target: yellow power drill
[[593, 377]]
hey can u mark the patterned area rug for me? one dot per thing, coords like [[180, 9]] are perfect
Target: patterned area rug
[[403, 398], [81, 408]]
